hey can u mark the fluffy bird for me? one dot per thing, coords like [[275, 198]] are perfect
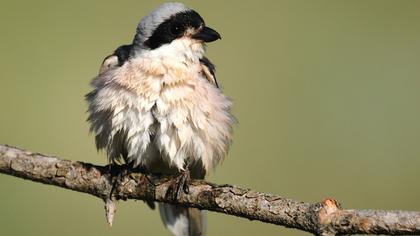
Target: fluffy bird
[[156, 105]]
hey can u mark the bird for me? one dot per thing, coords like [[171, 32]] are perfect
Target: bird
[[156, 105]]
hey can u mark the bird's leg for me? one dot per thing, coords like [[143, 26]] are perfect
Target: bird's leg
[[182, 182], [142, 169], [116, 176], [118, 173]]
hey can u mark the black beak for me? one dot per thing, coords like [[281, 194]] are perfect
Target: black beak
[[207, 34]]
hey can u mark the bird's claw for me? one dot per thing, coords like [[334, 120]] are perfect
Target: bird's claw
[[117, 175], [181, 184]]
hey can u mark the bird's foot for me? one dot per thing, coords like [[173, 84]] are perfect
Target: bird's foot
[[118, 173], [181, 183]]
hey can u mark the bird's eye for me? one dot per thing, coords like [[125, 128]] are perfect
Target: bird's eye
[[176, 29]]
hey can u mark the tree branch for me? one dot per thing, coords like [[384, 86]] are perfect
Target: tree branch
[[323, 218]]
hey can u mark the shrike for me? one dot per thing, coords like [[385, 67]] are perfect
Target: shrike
[[156, 105]]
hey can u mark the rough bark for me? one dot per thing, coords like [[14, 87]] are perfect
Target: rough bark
[[322, 218]]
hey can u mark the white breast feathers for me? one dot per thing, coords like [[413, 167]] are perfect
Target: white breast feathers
[[161, 107]]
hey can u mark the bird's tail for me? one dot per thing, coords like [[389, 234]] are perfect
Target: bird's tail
[[182, 221]]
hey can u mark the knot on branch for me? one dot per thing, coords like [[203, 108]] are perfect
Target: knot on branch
[[328, 207]]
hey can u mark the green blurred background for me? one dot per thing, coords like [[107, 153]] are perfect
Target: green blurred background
[[326, 92]]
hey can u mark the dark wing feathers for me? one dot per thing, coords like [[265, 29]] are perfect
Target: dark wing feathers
[[123, 53], [118, 58], [209, 70]]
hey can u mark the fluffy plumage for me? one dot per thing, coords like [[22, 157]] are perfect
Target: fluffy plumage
[[161, 103], [161, 108]]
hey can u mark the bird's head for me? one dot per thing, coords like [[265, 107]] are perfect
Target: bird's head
[[170, 22]]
